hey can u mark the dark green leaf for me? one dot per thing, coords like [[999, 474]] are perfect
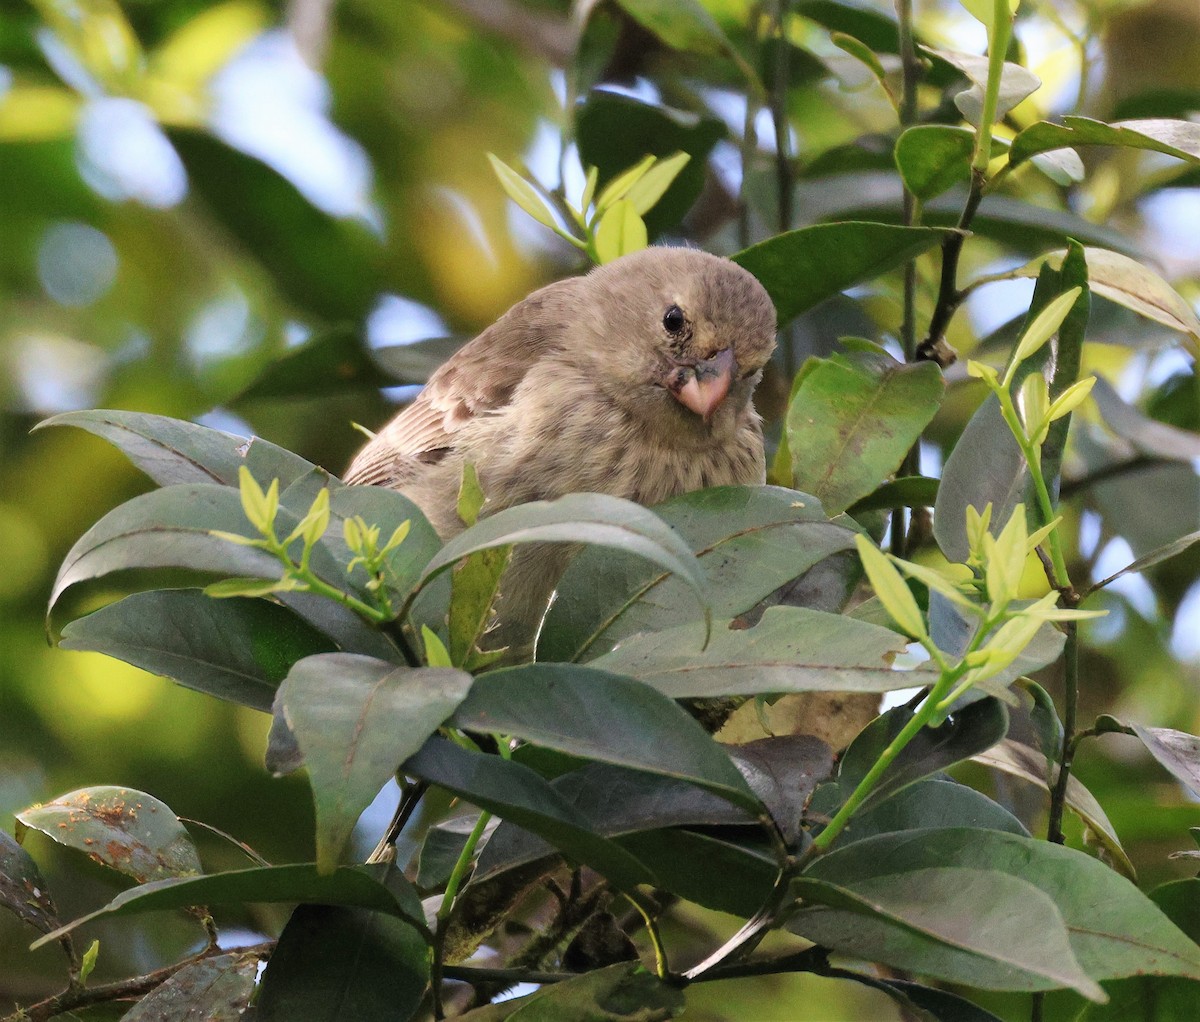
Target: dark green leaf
[[968, 731], [971, 925], [1115, 929], [1020, 760], [356, 719], [234, 649], [615, 131], [336, 964], [783, 771], [329, 362], [792, 649], [932, 802], [853, 419], [602, 717], [910, 491], [22, 889], [1175, 138], [379, 888], [516, 793], [802, 268], [619, 993], [616, 802], [749, 540], [171, 528], [216, 989], [171, 451], [578, 518], [933, 157], [942, 1005], [1068, 356], [126, 830]]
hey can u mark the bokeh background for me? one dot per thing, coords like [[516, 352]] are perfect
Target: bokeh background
[[191, 191]]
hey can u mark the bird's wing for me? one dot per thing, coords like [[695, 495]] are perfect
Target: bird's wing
[[480, 378]]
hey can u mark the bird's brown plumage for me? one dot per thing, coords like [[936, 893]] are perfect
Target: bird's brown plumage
[[571, 390]]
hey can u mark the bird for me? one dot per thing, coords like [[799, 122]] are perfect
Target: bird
[[633, 380]]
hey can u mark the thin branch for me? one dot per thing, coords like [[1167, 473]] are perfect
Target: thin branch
[[1111, 471], [137, 986], [1058, 796], [934, 347]]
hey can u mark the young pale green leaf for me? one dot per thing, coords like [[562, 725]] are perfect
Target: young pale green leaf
[[891, 588], [1044, 327], [1071, 398], [353, 534], [935, 580], [260, 508], [470, 496], [230, 587], [619, 186], [1035, 407], [1036, 539], [398, 536], [620, 232], [977, 528], [1004, 558], [523, 193], [651, 186], [436, 654], [589, 189], [982, 371], [861, 52], [313, 525], [90, 957]]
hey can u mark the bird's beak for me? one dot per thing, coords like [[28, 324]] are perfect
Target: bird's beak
[[702, 387]]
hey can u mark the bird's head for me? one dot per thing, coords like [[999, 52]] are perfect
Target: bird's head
[[683, 334]]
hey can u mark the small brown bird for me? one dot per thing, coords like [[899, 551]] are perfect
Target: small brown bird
[[634, 380]]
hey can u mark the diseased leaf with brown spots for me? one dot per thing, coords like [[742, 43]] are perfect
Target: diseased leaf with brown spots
[[122, 828], [216, 989]]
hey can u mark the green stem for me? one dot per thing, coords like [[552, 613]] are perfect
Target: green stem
[[662, 968], [463, 864], [1058, 796], [997, 45]]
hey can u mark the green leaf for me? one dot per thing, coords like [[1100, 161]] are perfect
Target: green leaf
[[910, 491], [475, 583], [1132, 284], [523, 193], [1149, 436], [1045, 324], [853, 419], [792, 649], [971, 730], [1019, 760], [651, 186], [681, 24], [514, 792], [218, 989], [616, 802], [377, 887], [890, 588], [924, 804], [1016, 83], [1115, 930], [88, 962], [749, 541], [618, 187], [933, 157], [470, 496], [171, 451], [356, 719], [338, 964], [233, 649], [618, 993], [801, 268], [1177, 751], [945, 921], [171, 527], [23, 891], [126, 830], [601, 717], [1180, 139], [333, 360], [578, 518], [861, 52], [620, 232]]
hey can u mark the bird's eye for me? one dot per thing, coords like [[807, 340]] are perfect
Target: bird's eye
[[674, 320]]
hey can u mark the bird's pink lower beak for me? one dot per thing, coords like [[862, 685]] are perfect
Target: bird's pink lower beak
[[702, 388]]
